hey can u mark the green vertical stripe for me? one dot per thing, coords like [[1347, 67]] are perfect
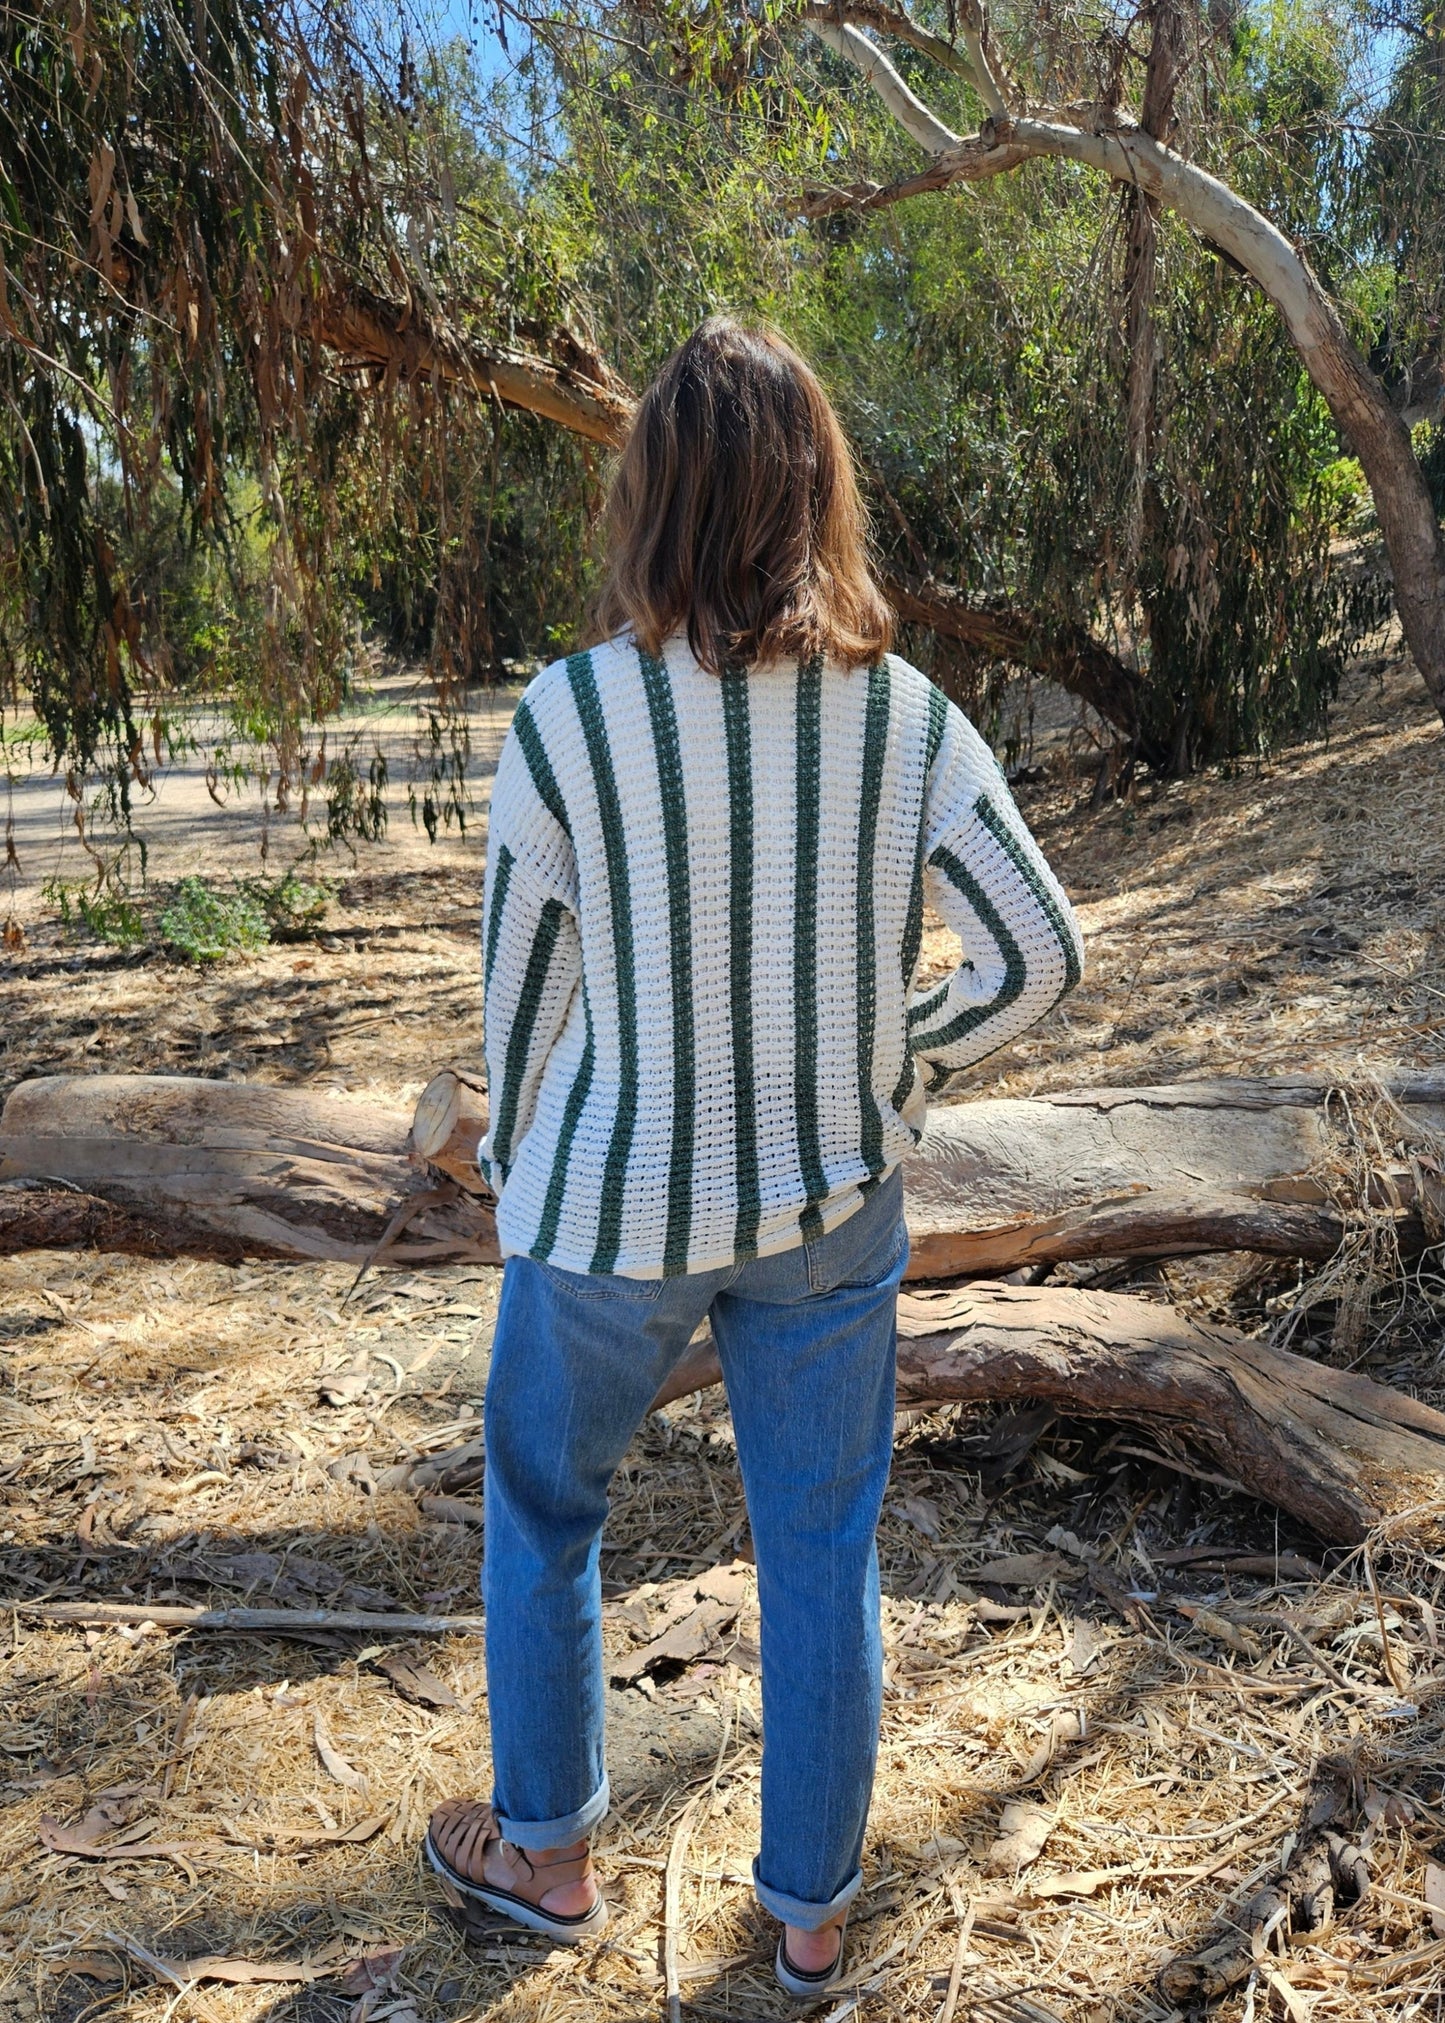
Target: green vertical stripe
[[913, 924], [539, 766], [561, 1159], [658, 685], [809, 716], [519, 1039], [505, 861], [875, 751], [619, 888], [1013, 849], [1015, 971], [920, 1013], [738, 733]]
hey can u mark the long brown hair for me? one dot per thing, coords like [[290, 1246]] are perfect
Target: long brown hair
[[734, 513]]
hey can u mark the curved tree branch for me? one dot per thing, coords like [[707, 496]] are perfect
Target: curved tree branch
[[871, 64], [369, 333], [902, 27], [1067, 654], [1413, 536]]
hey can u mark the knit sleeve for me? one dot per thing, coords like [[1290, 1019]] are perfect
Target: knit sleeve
[[531, 946], [986, 876]]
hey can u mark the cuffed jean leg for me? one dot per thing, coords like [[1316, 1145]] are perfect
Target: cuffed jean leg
[[812, 1393], [575, 1365]]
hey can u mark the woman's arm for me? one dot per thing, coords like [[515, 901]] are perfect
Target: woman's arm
[[986, 876], [531, 947]]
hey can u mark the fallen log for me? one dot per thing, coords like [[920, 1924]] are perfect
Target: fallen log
[[1152, 1172], [1337, 1451], [172, 1166]]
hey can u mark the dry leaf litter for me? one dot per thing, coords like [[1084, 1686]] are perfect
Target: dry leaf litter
[[1119, 1703]]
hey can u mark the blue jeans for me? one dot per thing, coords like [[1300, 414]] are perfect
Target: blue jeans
[[806, 1340]]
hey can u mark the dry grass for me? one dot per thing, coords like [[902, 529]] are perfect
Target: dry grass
[[162, 1427]]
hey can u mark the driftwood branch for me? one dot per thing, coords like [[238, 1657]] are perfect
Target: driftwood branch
[[1325, 1870], [1337, 1451]]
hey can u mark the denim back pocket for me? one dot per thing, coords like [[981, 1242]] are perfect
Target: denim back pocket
[[604, 1285], [867, 1249]]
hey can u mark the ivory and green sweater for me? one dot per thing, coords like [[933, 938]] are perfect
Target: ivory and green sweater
[[704, 908]]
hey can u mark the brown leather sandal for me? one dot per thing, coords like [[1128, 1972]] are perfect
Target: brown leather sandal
[[529, 1879]]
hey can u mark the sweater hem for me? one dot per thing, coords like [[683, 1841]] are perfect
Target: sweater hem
[[832, 1214]]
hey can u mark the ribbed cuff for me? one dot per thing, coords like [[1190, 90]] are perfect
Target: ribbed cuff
[[539, 1833], [805, 1916]]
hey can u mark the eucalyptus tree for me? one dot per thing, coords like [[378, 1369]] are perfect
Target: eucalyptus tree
[[1177, 572], [1030, 111], [270, 290], [226, 231]]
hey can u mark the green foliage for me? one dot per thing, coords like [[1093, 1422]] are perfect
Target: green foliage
[[443, 799], [1344, 497], [975, 344], [109, 914], [293, 907], [1430, 448], [198, 510], [207, 926], [179, 184]]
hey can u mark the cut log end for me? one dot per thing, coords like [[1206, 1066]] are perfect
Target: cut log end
[[449, 1125]]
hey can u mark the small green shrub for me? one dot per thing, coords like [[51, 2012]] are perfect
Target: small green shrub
[[293, 906], [107, 914], [207, 925], [1343, 495]]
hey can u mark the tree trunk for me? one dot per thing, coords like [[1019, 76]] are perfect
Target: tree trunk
[[168, 1166], [1337, 1451], [1067, 654]]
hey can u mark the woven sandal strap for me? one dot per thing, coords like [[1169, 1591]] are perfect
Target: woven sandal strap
[[473, 1831]]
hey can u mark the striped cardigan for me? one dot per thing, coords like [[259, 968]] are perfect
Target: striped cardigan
[[704, 908]]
